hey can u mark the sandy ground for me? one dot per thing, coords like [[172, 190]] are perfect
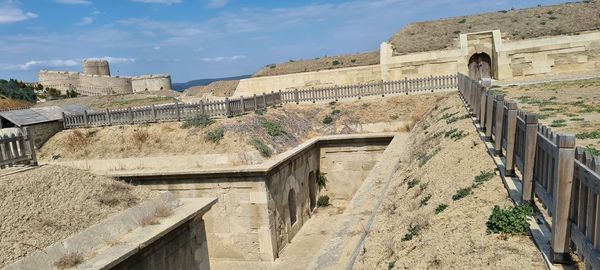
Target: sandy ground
[[575, 102], [117, 101], [42, 206], [514, 24], [299, 122], [218, 89], [455, 238]]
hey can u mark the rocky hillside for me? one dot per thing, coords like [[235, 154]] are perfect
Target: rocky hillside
[[518, 24]]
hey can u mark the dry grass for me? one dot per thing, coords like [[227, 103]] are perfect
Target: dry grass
[[217, 89], [9, 104], [322, 63], [519, 24], [69, 260], [163, 211], [149, 221], [76, 141], [117, 193], [140, 137]]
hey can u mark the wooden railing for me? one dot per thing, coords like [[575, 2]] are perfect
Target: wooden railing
[[564, 178], [237, 106], [17, 149]]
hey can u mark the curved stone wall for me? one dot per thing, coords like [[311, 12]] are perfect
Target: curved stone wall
[[151, 83], [96, 67]]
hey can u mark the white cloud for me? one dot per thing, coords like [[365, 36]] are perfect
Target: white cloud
[[58, 63], [156, 48], [166, 2], [216, 3], [85, 21], [74, 2], [224, 58], [9, 13]]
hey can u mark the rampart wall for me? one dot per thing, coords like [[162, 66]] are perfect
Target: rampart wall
[[150, 83]]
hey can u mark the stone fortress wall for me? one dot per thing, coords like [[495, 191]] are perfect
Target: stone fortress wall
[[97, 81], [561, 56]]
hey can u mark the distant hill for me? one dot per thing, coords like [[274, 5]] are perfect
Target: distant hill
[[204, 82]]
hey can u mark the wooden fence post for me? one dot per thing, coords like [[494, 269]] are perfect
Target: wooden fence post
[[243, 104], [489, 114], [227, 107], [511, 133], [202, 110], [336, 90], [406, 85], [482, 107], [563, 179], [529, 157], [153, 113], [499, 122], [85, 118], [30, 146], [64, 120], [108, 117], [382, 86], [255, 102], [264, 97], [130, 115], [177, 111], [359, 90], [296, 96]]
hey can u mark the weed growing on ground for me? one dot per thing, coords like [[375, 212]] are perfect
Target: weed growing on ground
[[413, 231], [273, 129], [512, 220], [456, 118], [592, 151], [332, 104], [558, 123], [76, 141], [461, 193], [264, 150], [450, 132], [140, 136], [588, 135], [322, 180], [413, 183], [394, 117], [425, 200], [335, 112], [448, 115], [69, 260], [197, 120], [423, 159], [215, 135], [483, 177], [441, 208], [327, 120], [323, 201], [577, 119], [261, 111]]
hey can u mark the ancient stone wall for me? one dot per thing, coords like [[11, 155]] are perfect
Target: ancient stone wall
[[96, 67], [44, 131], [151, 83]]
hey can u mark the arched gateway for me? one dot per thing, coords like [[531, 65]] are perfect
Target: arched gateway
[[480, 67]]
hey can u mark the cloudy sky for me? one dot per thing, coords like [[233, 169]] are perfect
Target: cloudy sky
[[193, 39]]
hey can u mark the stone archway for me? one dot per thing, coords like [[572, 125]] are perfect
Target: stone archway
[[292, 207], [312, 193], [480, 66]]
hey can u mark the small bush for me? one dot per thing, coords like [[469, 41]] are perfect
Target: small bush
[[261, 111], [577, 119], [413, 231], [215, 135], [483, 177], [461, 193], [425, 158], [69, 260], [425, 200], [322, 180], [335, 112], [197, 120], [264, 149], [352, 61], [591, 150], [456, 118], [558, 123], [588, 135], [463, 21], [441, 208], [163, 211], [140, 136], [457, 32], [332, 103], [323, 201], [394, 117], [336, 62], [274, 129], [327, 120], [512, 220], [413, 183], [391, 265]]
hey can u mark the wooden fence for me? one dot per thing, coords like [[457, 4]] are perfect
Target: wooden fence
[[237, 106], [17, 149], [564, 178]]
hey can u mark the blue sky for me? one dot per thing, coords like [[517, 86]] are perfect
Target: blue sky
[[193, 39]]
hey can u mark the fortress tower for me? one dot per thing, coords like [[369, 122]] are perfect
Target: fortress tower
[[96, 67]]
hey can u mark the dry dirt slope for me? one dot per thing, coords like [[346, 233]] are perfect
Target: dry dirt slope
[[456, 238], [42, 206]]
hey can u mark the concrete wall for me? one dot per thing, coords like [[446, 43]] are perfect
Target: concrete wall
[[44, 131], [182, 248], [151, 83], [323, 78]]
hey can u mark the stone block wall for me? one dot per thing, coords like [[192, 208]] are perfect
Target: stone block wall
[[151, 83], [44, 131], [183, 248]]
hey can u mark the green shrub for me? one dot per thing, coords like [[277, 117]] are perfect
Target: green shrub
[[461, 193], [264, 149], [273, 128], [425, 200], [352, 61], [321, 180], [261, 111], [323, 200], [327, 120], [588, 135], [332, 104], [558, 123], [335, 62], [335, 112], [463, 21], [425, 158], [413, 183], [391, 265], [215, 135], [456, 118], [413, 231], [577, 119], [457, 32], [197, 120], [512, 220], [483, 177], [441, 208], [17, 90], [592, 151]]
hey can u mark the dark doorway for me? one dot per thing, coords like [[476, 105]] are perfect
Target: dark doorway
[[480, 67], [292, 206], [312, 194]]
